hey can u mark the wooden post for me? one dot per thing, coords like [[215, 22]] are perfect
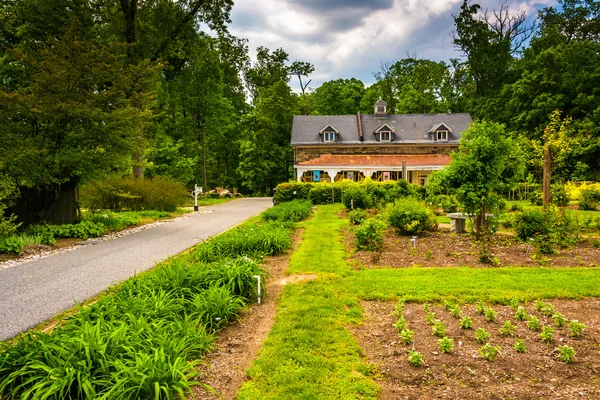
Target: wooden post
[[547, 174], [404, 174]]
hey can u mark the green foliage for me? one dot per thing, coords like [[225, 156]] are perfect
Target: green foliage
[[356, 197], [289, 191], [466, 323], [357, 216], [448, 203], [369, 235], [292, 211], [481, 335], [415, 358], [83, 230], [567, 353], [547, 333], [480, 307], [410, 217], [489, 352], [490, 314], [455, 312], [549, 228], [255, 240], [533, 323], [401, 324], [438, 329], [478, 171], [521, 313], [590, 199], [559, 319], [8, 192], [134, 194], [576, 328], [507, 329], [406, 336], [520, 346], [324, 194], [446, 344], [11, 244], [558, 196]]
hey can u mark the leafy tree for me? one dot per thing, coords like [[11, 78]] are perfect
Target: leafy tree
[[478, 170], [339, 97], [266, 153], [268, 70], [300, 69], [8, 193]]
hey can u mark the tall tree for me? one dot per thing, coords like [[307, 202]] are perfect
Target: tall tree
[[339, 97]]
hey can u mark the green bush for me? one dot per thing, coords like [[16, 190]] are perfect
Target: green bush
[[8, 193], [448, 203], [289, 191], [411, 216], [82, 230], [558, 196], [323, 193], [292, 211], [590, 199], [134, 194], [369, 235], [357, 216], [357, 197], [11, 245], [255, 241], [549, 228]]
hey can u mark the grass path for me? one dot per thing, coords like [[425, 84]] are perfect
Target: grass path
[[309, 353]]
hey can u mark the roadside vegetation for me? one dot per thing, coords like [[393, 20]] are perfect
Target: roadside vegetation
[[144, 338]]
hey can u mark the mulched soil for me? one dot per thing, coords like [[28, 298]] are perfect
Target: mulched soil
[[537, 374], [447, 249], [238, 344]]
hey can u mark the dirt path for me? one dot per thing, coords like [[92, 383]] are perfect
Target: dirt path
[[238, 345]]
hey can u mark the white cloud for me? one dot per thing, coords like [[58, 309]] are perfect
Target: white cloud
[[349, 38]]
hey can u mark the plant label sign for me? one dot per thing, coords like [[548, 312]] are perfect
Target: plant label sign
[[316, 176]]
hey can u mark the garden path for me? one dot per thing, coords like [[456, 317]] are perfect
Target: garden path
[[36, 291]]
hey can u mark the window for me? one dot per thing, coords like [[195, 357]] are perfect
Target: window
[[380, 109], [384, 136], [329, 136], [442, 136]]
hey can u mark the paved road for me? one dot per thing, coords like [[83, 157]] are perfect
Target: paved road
[[34, 292]]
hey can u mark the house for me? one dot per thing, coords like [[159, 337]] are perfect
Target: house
[[380, 145]]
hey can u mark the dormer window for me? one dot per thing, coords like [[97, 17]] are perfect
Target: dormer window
[[385, 136], [329, 136], [329, 133], [441, 132], [384, 133]]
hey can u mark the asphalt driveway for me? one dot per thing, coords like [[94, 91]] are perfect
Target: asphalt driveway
[[34, 292]]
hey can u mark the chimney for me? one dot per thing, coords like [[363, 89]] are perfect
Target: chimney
[[359, 122]]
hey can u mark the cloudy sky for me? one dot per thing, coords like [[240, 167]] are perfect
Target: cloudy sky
[[351, 38]]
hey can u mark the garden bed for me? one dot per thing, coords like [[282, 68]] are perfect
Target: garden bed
[[447, 249], [538, 373]]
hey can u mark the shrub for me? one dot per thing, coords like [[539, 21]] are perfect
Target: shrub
[[446, 344], [415, 358], [289, 191], [558, 196], [480, 307], [448, 204], [559, 319], [490, 314], [546, 334], [567, 353], [357, 216], [357, 197], [292, 211], [410, 217], [369, 235], [530, 223], [134, 194], [507, 329], [8, 193], [520, 346], [481, 335], [590, 199], [549, 228], [576, 328], [255, 241], [400, 190], [83, 230], [489, 352], [438, 329], [520, 313], [533, 323], [466, 323], [324, 193], [11, 245], [406, 336]]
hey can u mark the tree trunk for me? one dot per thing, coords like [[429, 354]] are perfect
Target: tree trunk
[[547, 175], [203, 158]]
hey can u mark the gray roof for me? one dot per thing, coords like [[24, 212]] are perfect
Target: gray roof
[[410, 128]]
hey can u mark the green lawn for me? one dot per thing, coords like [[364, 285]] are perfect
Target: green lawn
[[311, 354]]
